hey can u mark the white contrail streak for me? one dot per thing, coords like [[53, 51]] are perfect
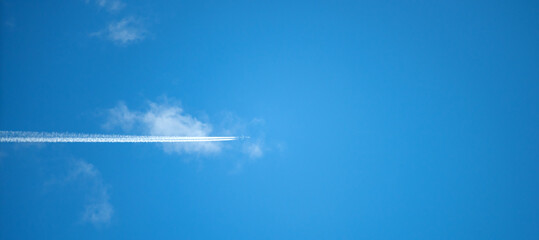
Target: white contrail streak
[[42, 137]]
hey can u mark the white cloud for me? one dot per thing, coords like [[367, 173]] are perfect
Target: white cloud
[[165, 120], [169, 119], [98, 209]]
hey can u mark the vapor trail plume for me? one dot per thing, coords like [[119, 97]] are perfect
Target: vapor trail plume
[[43, 137]]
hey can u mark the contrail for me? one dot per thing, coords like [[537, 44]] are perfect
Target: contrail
[[43, 137]]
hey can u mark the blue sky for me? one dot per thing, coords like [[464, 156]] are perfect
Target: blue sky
[[368, 119]]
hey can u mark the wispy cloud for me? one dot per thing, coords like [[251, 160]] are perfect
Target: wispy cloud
[[126, 31], [121, 116], [253, 149], [98, 210], [110, 5], [123, 32]]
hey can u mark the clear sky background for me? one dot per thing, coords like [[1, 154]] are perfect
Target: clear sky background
[[368, 119]]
